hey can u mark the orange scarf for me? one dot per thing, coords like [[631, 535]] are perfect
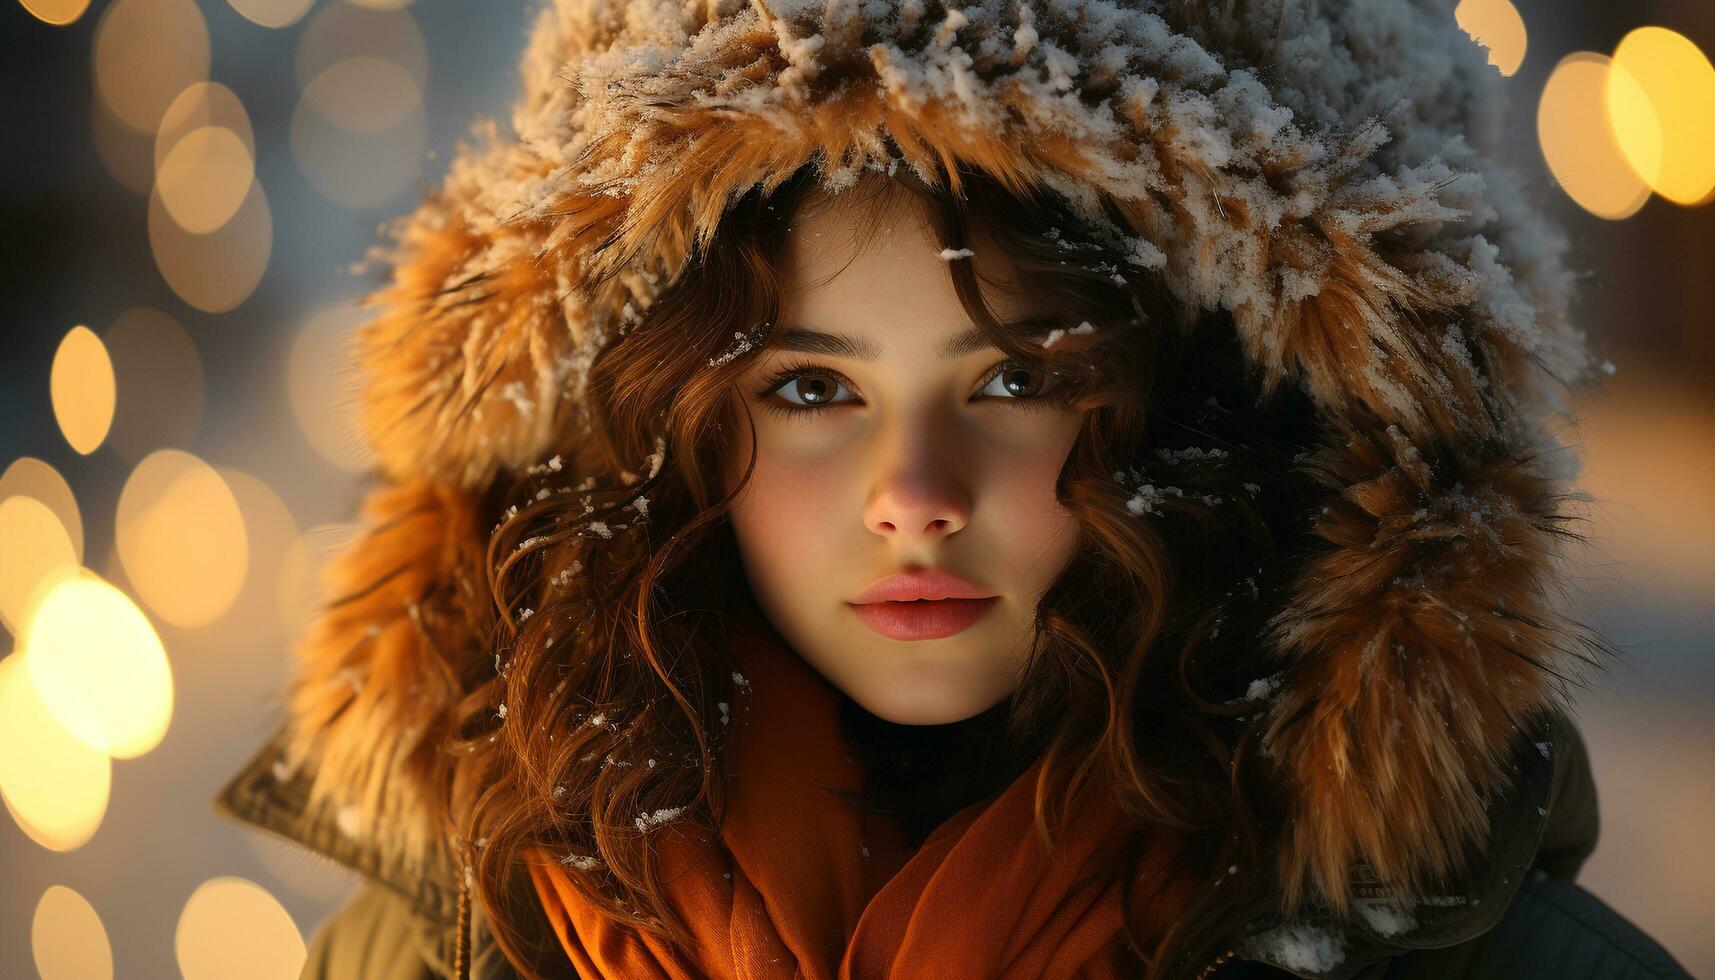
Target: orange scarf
[[808, 886]]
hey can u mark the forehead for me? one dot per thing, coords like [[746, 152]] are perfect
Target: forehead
[[893, 286]]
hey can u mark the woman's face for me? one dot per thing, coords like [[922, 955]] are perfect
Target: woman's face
[[903, 457]]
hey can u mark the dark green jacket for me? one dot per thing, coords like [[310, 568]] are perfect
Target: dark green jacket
[[1525, 918]]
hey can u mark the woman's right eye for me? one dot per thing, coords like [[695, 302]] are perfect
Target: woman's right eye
[[804, 391]]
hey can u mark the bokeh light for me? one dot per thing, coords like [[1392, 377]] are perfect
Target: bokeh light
[[364, 94], [181, 538], [1580, 146], [233, 927], [99, 668], [81, 385], [362, 170], [359, 132], [272, 13], [199, 105], [217, 271], [1633, 124], [340, 30], [204, 157], [68, 939], [159, 380], [1496, 25], [146, 52], [28, 476], [1677, 81], [54, 785], [35, 551], [56, 12], [250, 631], [205, 178], [322, 382]]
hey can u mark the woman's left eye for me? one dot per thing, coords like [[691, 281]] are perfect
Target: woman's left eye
[[1014, 383], [818, 387]]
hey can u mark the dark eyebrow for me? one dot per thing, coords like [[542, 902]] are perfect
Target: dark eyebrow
[[807, 341]]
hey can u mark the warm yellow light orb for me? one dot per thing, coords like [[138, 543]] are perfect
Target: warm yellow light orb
[[81, 386], [1666, 123], [1496, 25], [205, 178], [99, 667], [34, 551], [54, 785], [28, 476], [56, 12], [181, 538], [1577, 143], [68, 939], [233, 927]]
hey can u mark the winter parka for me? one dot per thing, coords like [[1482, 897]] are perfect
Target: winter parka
[[1527, 920], [1321, 173]]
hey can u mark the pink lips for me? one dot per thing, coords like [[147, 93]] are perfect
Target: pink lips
[[922, 605]]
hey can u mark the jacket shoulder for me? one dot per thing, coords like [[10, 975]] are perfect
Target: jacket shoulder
[[1553, 930], [370, 937]]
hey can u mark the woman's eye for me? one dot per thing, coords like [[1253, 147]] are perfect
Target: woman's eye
[[1016, 382], [806, 391]]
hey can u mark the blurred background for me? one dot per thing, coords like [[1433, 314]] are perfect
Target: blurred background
[[187, 191]]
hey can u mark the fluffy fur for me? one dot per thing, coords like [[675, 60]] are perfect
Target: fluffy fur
[[1312, 166]]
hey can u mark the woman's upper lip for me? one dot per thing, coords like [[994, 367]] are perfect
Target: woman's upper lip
[[927, 583]]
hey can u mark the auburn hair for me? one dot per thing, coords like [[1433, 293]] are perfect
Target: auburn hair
[[613, 572]]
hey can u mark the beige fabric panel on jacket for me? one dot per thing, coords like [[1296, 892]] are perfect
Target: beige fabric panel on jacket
[[370, 937]]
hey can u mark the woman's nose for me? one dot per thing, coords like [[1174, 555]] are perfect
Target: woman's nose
[[921, 493]]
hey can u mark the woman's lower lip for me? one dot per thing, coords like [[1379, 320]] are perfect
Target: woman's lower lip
[[922, 619]]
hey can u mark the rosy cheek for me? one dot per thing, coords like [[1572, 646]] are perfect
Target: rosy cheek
[[1041, 531], [785, 513]]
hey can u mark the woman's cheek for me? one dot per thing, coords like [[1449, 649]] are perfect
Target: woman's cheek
[[786, 513], [1043, 533]]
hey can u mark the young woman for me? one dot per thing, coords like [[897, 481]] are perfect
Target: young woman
[[888, 490]]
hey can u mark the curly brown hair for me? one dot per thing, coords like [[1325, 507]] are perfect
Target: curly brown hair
[[614, 576]]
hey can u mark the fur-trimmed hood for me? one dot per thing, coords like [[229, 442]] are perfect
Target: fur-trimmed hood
[[1317, 168]]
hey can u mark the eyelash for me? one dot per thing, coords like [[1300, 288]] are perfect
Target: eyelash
[[790, 372]]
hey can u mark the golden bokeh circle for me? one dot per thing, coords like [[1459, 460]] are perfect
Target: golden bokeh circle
[[1497, 26], [199, 105], [1577, 143], [341, 30], [146, 53], [28, 476], [1677, 82], [80, 384], [364, 94], [272, 13], [99, 667], [251, 628], [55, 787], [67, 938], [205, 178], [217, 271], [56, 12], [35, 552], [181, 538], [233, 927]]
